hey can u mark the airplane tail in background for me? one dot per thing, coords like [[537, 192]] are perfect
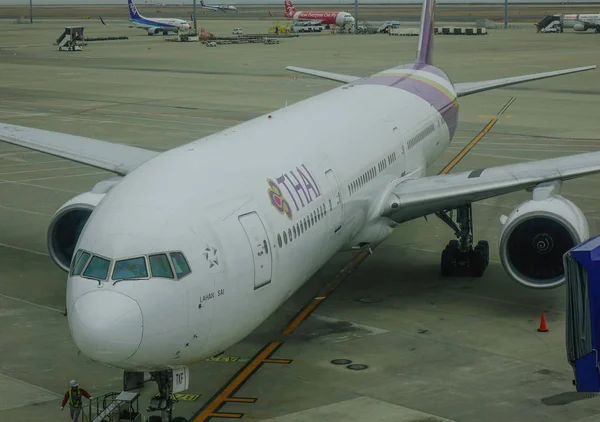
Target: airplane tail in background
[[133, 12], [290, 10], [425, 49], [102, 20]]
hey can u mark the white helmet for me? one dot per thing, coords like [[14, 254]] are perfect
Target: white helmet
[[73, 383]]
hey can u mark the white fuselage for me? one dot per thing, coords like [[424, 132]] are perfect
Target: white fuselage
[[571, 20], [162, 24], [191, 198]]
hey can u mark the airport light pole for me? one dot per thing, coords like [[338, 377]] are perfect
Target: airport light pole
[[505, 14], [195, 25], [356, 16], [30, 11]]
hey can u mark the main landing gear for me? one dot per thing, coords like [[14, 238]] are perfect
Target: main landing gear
[[459, 254]]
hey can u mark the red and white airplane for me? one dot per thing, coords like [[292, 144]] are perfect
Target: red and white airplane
[[323, 18]]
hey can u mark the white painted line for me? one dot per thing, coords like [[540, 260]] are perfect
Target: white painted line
[[9, 182], [53, 177], [31, 385], [23, 249], [42, 170], [30, 163], [25, 211], [32, 304]]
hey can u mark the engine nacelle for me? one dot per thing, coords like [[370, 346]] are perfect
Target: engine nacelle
[[68, 222], [579, 27], [536, 235], [153, 31]]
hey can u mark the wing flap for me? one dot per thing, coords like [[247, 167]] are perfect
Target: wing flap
[[113, 157], [325, 75], [418, 197], [468, 88]]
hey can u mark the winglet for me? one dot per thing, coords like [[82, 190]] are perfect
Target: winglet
[[425, 49]]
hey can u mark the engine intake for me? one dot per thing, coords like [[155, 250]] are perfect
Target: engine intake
[[536, 235], [68, 222]]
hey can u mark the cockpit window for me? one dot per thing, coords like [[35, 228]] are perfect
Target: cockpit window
[[127, 269], [181, 266], [80, 263], [160, 267], [97, 268]]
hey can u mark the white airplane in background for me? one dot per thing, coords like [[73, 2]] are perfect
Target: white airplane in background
[[186, 252], [217, 7], [154, 25], [582, 22]]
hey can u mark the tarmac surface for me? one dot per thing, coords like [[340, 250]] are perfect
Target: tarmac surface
[[457, 349], [403, 12]]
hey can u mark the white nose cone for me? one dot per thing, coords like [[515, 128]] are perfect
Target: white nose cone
[[106, 326]]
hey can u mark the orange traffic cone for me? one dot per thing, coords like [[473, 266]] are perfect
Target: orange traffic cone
[[543, 328]]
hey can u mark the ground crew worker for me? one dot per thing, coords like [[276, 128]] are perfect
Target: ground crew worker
[[73, 396]]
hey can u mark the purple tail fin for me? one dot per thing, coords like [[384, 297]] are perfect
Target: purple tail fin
[[425, 50]]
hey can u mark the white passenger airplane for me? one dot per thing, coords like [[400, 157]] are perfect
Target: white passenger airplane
[[217, 7], [184, 253], [154, 25]]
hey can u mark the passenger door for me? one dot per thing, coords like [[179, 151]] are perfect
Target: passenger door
[[259, 246], [334, 201]]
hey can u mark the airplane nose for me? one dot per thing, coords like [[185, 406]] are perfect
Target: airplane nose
[[106, 326]]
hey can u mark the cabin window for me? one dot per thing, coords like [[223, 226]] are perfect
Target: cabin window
[[127, 269], [279, 242], [80, 264], [97, 268], [290, 234], [266, 246], [180, 264], [285, 238], [160, 266], [74, 259], [294, 232]]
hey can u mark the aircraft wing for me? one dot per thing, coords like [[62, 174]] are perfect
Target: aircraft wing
[[468, 88], [325, 75], [415, 198], [113, 157]]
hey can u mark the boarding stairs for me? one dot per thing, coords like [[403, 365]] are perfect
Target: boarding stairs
[[115, 407], [386, 26], [551, 23], [71, 39]]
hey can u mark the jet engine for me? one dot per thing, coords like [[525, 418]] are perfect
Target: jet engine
[[68, 222], [536, 235], [579, 27], [153, 31]]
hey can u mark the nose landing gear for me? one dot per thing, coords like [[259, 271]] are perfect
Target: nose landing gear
[[165, 399], [460, 255]]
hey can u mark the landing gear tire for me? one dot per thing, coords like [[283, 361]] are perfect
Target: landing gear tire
[[476, 263], [459, 254], [449, 256]]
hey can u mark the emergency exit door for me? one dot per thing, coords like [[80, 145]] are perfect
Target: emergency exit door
[[259, 246], [335, 201], [403, 150]]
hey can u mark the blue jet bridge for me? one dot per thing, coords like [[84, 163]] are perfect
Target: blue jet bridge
[[582, 270]]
